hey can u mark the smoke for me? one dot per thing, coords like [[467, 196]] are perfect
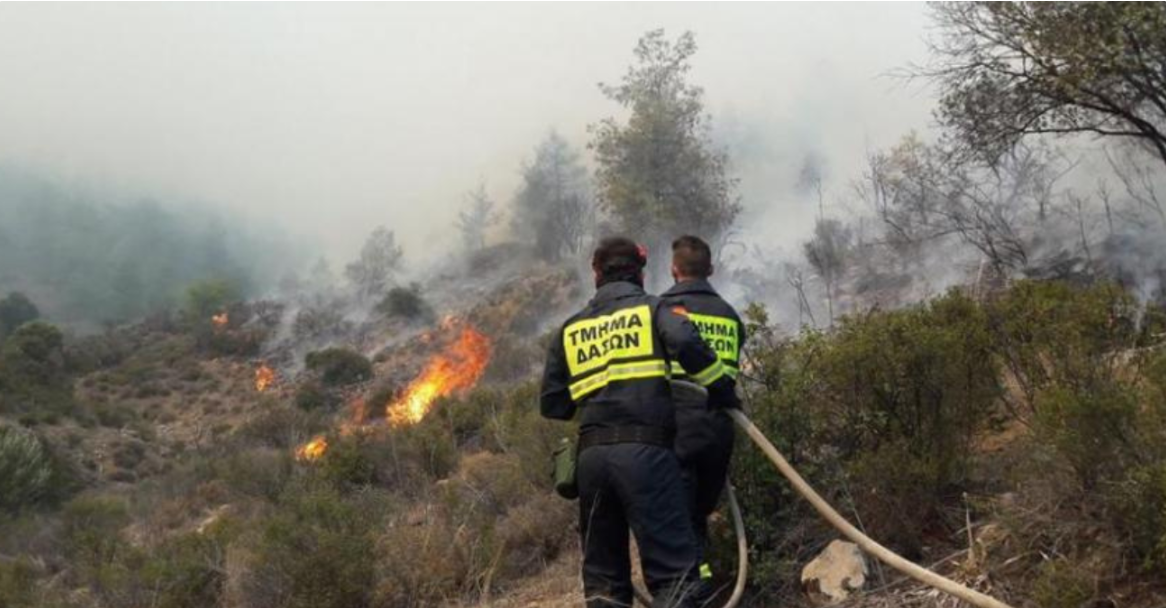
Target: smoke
[[324, 121]]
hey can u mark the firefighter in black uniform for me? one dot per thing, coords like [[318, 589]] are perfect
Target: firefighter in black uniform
[[610, 362], [704, 437]]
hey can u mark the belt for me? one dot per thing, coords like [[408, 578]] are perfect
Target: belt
[[650, 435]]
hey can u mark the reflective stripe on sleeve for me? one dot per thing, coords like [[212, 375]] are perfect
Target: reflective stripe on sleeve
[[655, 368], [709, 374]]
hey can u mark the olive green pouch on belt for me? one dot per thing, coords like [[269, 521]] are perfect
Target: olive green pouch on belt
[[564, 472]]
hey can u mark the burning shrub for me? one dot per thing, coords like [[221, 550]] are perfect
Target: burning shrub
[[208, 298], [339, 366], [279, 427], [405, 303]]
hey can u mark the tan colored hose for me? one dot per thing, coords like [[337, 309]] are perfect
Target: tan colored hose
[[887, 556], [742, 549]]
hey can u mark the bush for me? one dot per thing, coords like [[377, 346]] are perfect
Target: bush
[[26, 469], [887, 404], [314, 551], [311, 395], [1093, 427], [15, 310], [17, 583], [207, 298], [319, 322], [339, 366], [1061, 583], [1050, 333], [405, 303]]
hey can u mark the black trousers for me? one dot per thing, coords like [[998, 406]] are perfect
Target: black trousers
[[636, 486], [704, 445]]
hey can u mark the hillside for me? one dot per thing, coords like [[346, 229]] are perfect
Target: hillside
[[235, 461]]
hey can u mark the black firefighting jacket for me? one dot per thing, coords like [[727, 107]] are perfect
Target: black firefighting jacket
[[717, 321], [612, 360]]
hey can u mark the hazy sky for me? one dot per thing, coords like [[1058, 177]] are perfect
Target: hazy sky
[[330, 119]]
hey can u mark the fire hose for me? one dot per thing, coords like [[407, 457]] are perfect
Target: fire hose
[[869, 545]]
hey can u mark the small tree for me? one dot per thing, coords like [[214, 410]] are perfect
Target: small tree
[[659, 174], [380, 259], [477, 216], [827, 253], [553, 208]]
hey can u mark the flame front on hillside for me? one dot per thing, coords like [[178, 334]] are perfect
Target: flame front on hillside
[[220, 320], [455, 369], [264, 377], [312, 449]]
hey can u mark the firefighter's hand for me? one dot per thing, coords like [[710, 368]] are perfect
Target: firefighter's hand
[[723, 395]]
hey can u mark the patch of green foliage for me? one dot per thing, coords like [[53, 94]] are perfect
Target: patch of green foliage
[[26, 469], [339, 366], [405, 303], [34, 379]]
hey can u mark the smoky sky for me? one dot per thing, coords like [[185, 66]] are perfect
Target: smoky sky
[[326, 120]]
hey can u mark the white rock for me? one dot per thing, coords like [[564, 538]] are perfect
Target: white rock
[[837, 572]]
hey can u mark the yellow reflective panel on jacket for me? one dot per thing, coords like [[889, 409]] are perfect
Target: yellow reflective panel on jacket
[[592, 344], [720, 333]]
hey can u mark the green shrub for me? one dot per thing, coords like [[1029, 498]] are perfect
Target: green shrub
[[188, 571], [26, 469], [314, 551], [348, 462], [91, 533], [1061, 583], [312, 395], [34, 380], [1093, 427], [207, 298], [1139, 507], [405, 303], [339, 366], [17, 583], [1050, 333], [881, 413]]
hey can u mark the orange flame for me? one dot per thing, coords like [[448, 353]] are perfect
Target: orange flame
[[455, 369], [264, 377], [220, 320], [313, 449]]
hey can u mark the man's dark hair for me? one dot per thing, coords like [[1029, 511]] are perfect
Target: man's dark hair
[[618, 258], [692, 257]]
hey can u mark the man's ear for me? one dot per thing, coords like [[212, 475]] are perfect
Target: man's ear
[[712, 269], [675, 273]]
